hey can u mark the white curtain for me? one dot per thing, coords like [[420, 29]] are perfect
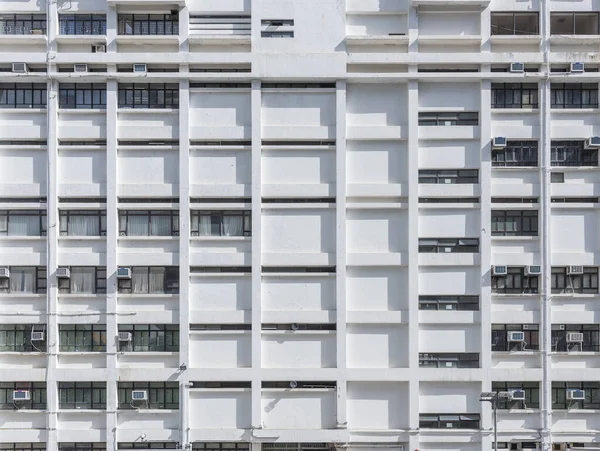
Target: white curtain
[[157, 280], [137, 225], [233, 225], [84, 225], [160, 225], [205, 226], [22, 280], [24, 225], [82, 280], [139, 280]]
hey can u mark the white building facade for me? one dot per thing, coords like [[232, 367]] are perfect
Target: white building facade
[[220, 225]]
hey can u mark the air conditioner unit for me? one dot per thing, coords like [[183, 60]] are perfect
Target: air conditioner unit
[[593, 142], [124, 336], [140, 68], [574, 270], [517, 395], [98, 49], [577, 68], [574, 337], [517, 68], [498, 270], [515, 336], [37, 336], [4, 273], [80, 68], [123, 273], [63, 273], [499, 142], [533, 270], [575, 394], [20, 68], [21, 395], [139, 395]]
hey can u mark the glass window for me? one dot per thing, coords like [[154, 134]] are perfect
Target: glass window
[[446, 245], [572, 153], [82, 24], [519, 23], [82, 95], [150, 338], [84, 280], [591, 395], [221, 223], [443, 118], [25, 279], [532, 394], [515, 282], [514, 95], [148, 24], [23, 95], [515, 154], [23, 223], [82, 337], [149, 280], [82, 395], [574, 95], [580, 23], [82, 222], [37, 396], [464, 302], [17, 338], [514, 223], [161, 395], [148, 223], [503, 340], [148, 95], [21, 24]]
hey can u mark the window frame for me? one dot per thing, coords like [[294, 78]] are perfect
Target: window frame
[[154, 389], [23, 446], [449, 360], [499, 338], [195, 216], [7, 214], [449, 245], [170, 283], [573, 153], [39, 276], [591, 337], [449, 176], [37, 393], [560, 93], [65, 221], [515, 282], [435, 420], [449, 302], [82, 337], [586, 283], [91, 446], [502, 93], [100, 276], [532, 394], [148, 24], [82, 96], [22, 24], [76, 393], [515, 15], [140, 95], [150, 338], [525, 222], [125, 214], [521, 153], [14, 95], [441, 118], [573, 19], [559, 395], [82, 24]]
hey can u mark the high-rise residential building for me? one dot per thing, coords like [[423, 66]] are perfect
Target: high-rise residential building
[[299, 225]]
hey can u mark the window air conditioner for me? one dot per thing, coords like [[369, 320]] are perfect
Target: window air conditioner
[[21, 395], [515, 336], [63, 273], [98, 49], [574, 270], [80, 68], [517, 68], [4, 273], [140, 68], [123, 273], [593, 142], [499, 142], [139, 395], [517, 395], [20, 68], [577, 68], [124, 336], [574, 337], [37, 336], [498, 270], [533, 270], [575, 394]]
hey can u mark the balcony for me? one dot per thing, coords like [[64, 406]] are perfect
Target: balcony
[[30, 32]]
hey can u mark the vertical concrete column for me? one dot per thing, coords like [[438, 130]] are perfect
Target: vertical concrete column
[[256, 102], [112, 231], [112, 29], [184, 257], [340, 246]]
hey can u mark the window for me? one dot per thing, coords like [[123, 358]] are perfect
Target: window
[[449, 176], [81, 446], [585, 23], [501, 342], [470, 303], [449, 421], [572, 153], [82, 222], [449, 360], [148, 95], [557, 177], [283, 447], [515, 282], [82, 24], [516, 153], [514, 95], [148, 445], [161, 395], [21, 24], [82, 395], [37, 396], [532, 394], [426, 119], [514, 223], [151, 280], [148, 223], [150, 338], [515, 23], [21, 446], [592, 395], [23, 95], [149, 24], [591, 337], [84, 280], [23, 223], [574, 95], [445, 245], [82, 96], [562, 282], [25, 279], [82, 337], [221, 223], [277, 28], [17, 338]]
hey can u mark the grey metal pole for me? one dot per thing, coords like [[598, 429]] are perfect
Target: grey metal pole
[[495, 406]]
